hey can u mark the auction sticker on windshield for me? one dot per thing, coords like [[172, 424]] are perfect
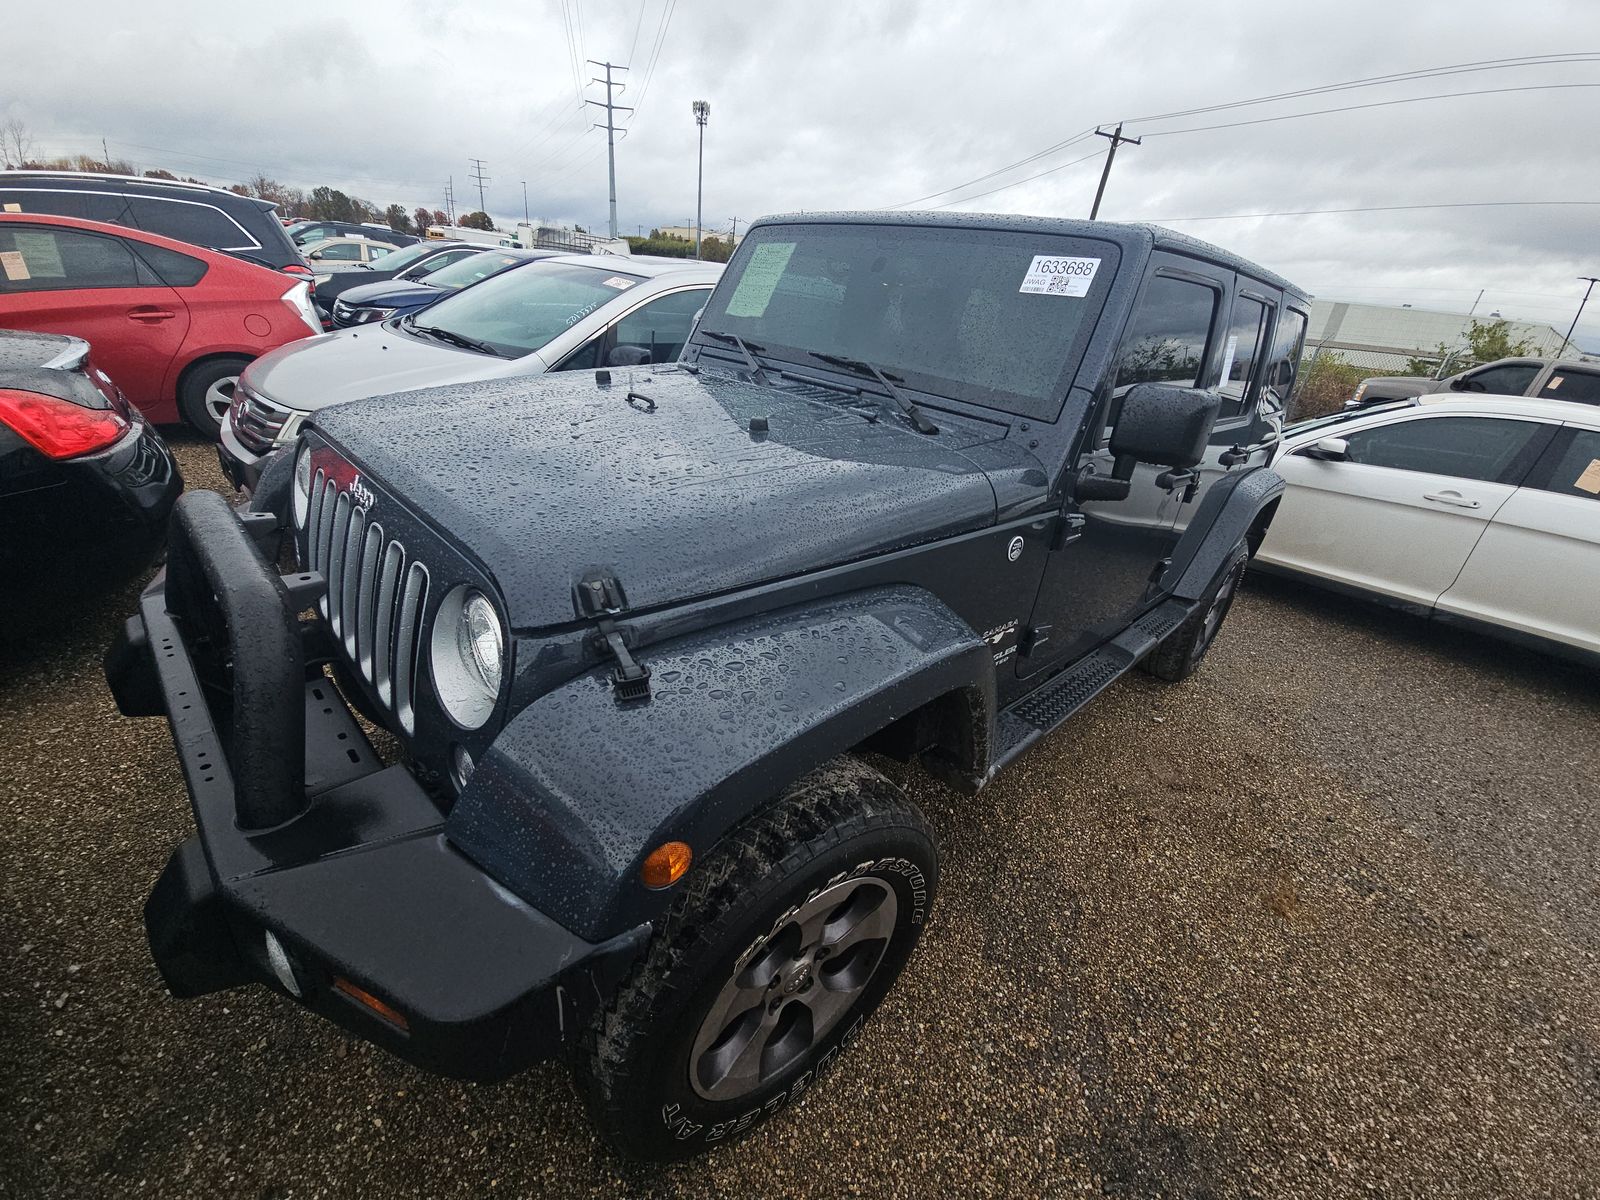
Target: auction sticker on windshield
[[1052, 275], [760, 279]]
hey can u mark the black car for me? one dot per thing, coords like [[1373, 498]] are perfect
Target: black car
[[86, 485], [196, 213], [368, 301], [921, 486], [410, 264], [305, 233]]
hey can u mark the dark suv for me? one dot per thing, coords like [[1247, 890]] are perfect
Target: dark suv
[[1544, 378], [196, 213], [921, 486]]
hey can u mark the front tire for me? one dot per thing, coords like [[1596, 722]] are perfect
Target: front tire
[[206, 392], [784, 940], [1180, 654]]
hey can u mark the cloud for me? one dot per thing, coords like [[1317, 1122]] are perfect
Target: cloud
[[824, 105]]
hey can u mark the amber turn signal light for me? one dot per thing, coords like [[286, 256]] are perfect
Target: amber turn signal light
[[666, 864], [367, 1000]]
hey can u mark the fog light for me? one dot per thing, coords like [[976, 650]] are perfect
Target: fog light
[[278, 959], [461, 764], [665, 864]]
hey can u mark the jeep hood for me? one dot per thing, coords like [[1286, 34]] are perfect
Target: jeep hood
[[543, 480]]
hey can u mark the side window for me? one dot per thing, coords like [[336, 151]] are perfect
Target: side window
[[315, 234], [197, 224], [1167, 339], [662, 325], [1479, 448], [45, 260], [1241, 347], [168, 266], [585, 357], [88, 206], [379, 251], [1288, 343], [1580, 387], [342, 252], [1571, 467], [1510, 380]]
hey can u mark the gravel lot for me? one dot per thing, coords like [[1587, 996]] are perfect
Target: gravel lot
[[1322, 922]]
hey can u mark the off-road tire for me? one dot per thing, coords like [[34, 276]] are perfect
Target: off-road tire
[[199, 389], [1183, 650], [842, 826]]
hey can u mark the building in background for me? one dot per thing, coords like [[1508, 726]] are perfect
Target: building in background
[[1381, 338], [686, 232]]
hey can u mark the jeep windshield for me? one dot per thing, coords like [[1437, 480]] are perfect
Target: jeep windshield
[[516, 312], [991, 317]]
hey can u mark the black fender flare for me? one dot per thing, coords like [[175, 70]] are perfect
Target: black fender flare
[[1226, 516], [580, 786]]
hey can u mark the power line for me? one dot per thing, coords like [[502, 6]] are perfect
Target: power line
[[1319, 112], [637, 26], [1018, 183], [667, 10]]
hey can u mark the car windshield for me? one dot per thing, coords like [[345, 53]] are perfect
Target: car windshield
[[1312, 424], [399, 260], [992, 317], [473, 268], [517, 312]]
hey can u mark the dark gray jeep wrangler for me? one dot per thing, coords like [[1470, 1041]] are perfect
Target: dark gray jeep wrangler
[[921, 486]]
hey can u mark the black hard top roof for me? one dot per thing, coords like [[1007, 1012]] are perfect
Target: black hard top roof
[[1135, 238], [96, 181]]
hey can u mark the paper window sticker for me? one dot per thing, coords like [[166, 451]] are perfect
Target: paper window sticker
[[1229, 349], [42, 254], [1555, 382], [13, 208], [760, 279], [1059, 275], [14, 266], [1589, 481], [618, 282]]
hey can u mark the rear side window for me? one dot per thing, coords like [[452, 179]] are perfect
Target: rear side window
[[87, 206], [46, 260], [1512, 379], [1580, 387], [188, 221], [170, 267], [1480, 448], [1167, 340], [1241, 347], [1288, 342], [662, 326], [1571, 467]]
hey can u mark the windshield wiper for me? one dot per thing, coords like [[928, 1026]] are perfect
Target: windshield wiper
[[915, 415], [455, 339], [757, 371]]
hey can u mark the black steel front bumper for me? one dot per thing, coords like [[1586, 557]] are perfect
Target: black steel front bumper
[[303, 835]]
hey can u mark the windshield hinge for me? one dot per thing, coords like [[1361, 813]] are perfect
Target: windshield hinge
[[601, 595]]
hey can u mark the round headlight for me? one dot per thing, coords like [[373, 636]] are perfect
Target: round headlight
[[468, 653], [302, 485]]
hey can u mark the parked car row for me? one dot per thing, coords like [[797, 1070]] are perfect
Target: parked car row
[[1545, 378]]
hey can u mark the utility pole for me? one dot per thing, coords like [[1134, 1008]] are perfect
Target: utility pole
[[525, 219], [733, 238], [480, 179], [702, 112], [1116, 140], [611, 131], [1591, 280], [450, 199], [106, 150]]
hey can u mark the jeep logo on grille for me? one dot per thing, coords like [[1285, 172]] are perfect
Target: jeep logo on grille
[[360, 494]]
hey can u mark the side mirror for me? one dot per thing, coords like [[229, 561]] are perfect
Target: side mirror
[[1329, 449], [1162, 425], [628, 356]]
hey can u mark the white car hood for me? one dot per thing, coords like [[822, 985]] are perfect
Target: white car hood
[[352, 364]]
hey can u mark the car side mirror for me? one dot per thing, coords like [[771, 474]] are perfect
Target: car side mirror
[[1329, 449], [1162, 425], [628, 356]]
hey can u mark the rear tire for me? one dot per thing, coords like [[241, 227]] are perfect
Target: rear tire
[[206, 392], [783, 940], [1179, 655]]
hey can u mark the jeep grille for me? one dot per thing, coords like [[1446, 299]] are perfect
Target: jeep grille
[[375, 598]]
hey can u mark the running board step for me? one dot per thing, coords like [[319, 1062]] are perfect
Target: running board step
[[1041, 711]]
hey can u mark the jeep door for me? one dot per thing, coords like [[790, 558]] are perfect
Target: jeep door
[[1112, 550]]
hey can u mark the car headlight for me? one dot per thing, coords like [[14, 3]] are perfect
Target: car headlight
[[1360, 392], [302, 486], [365, 316], [468, 654]]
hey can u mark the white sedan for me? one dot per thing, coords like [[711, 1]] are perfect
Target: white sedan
[[1481, 511]]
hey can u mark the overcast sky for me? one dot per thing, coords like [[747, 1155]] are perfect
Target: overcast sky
[[826, 105]]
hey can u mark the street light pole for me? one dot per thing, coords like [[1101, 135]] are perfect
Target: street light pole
[[525, 202], [702, 111], [1567, 341]]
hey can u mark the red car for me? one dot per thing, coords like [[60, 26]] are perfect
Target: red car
[[172, 323]]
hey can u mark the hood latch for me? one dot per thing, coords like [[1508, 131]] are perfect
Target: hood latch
[[601, 596]]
